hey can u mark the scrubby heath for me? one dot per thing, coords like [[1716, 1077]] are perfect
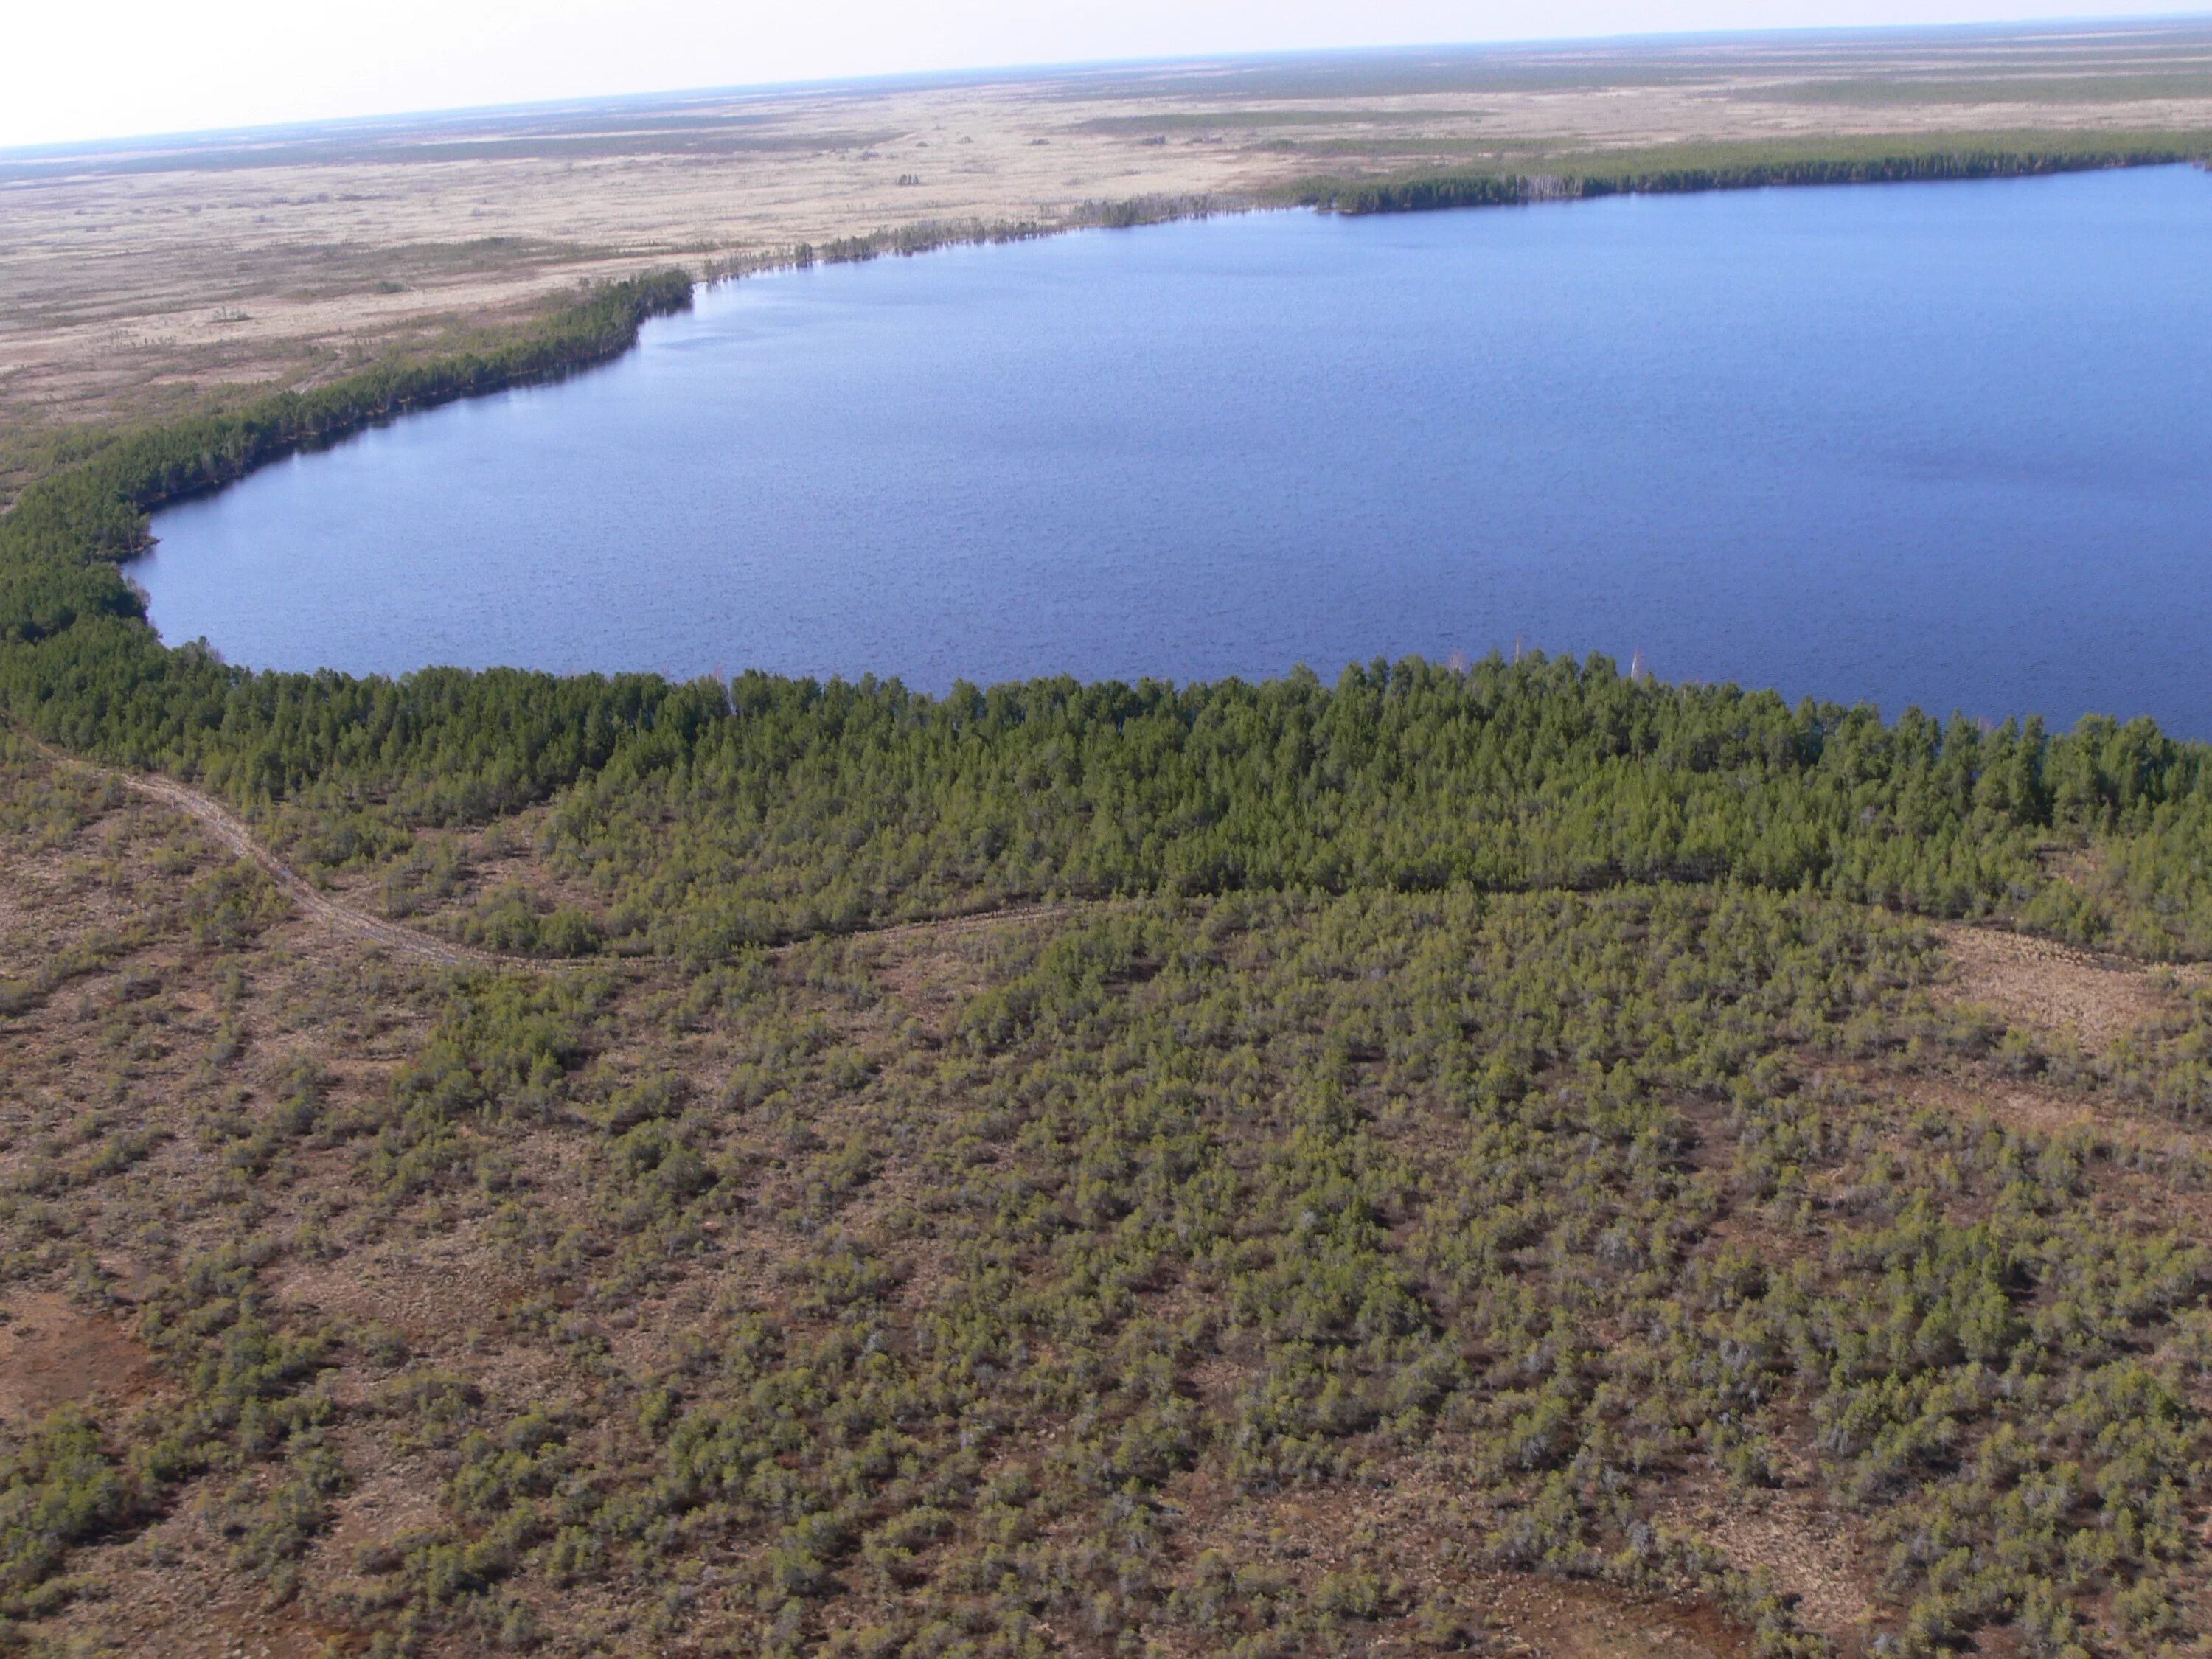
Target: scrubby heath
[[1263, 1274], [1453, 1159]]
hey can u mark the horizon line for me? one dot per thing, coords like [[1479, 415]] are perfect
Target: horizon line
[[983, 74]]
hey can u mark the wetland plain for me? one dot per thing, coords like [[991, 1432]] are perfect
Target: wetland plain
[[149, 277]]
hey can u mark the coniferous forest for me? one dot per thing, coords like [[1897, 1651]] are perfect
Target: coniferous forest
[[1502, 1159]]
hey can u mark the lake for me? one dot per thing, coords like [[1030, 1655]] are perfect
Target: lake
[[1942, 444]]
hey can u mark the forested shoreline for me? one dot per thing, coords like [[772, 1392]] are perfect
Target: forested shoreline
[[1427, 192], [1479, 1163], [682, 804], [61, 539]]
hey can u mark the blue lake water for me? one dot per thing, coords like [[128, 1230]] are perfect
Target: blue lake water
[[1939, 444]]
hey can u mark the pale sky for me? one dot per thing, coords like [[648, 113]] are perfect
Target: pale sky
[[83, 69]]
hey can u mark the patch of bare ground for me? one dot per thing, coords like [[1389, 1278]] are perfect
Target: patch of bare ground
[[931, 968], [1583, 1622], [2037, 1110], [2042, 986], [1414, 1523], [1814, 1554], [53, 1353], [1752, 1236], [435, 1290], [395, 1493], [170, 1593]]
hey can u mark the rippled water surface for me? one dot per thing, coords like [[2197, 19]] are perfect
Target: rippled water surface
[[1943, 444]]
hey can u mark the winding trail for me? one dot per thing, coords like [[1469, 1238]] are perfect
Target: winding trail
[[352, 920], [316, 905]]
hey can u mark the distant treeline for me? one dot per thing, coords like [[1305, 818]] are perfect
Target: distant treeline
[[927, 235], [710, 816], [1427, 192]]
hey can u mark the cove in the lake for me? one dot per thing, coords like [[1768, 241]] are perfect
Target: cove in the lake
[[1935, 444]]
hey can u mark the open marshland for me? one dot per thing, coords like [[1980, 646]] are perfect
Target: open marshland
[[142, 279]]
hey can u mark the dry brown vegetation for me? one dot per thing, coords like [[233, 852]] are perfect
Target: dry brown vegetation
[[206, 1073], [138, 280], [2052, 988]]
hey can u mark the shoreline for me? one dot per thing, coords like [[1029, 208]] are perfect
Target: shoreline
[[1413, 193], [1455, 190], [65, 545]]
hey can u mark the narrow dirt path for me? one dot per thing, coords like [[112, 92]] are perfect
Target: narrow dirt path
[[970, 921], [340, 916], [312, 902]]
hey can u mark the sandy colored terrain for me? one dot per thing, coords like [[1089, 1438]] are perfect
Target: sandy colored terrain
[[53, 1353], [2043, 987], [134, 278]]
